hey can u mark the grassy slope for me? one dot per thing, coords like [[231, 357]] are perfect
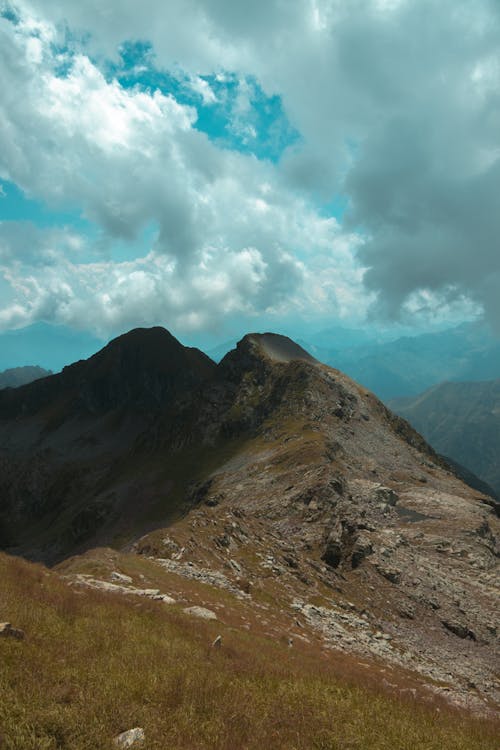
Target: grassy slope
[[93, 665]]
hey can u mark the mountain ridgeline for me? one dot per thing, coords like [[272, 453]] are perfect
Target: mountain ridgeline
[[269, 479], [113, 442]]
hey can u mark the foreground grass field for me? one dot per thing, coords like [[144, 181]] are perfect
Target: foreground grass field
[[93, 665]]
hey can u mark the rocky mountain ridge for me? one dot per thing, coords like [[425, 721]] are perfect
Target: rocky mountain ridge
[[274, 480]]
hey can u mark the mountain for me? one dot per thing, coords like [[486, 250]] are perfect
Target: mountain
[[51, 346], [462, 421], [16, 376], [407, 365], [77, 429], [270, 490]]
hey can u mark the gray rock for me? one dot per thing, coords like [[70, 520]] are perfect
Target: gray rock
[[202, 612], [362, 548], [391, 574], [386, 495], [131, 738], [459, 629], [165, 598], [7, 631], [120, 577]]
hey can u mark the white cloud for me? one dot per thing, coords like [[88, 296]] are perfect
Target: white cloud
[[397, 108], [230, 236]]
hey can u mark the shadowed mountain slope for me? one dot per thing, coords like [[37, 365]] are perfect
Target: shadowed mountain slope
[[68, 442], [460, 420]]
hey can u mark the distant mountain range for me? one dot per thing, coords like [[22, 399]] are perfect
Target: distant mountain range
[[17, 376], [389, 367], [49, 346], [410, 365], [462, 421]]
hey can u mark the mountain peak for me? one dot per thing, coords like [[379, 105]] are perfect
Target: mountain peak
[[277, 347], [260, 350], [146, 367]]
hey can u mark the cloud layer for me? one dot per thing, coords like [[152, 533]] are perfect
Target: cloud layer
[[397, 110]]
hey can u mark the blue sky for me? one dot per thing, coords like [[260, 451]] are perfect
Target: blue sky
[[217, 168]]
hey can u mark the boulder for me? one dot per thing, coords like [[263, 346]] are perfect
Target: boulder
[[391, 574], [459, 629], [362, 548], [131, 738], [7, 631], [202, 612], [333, 550]]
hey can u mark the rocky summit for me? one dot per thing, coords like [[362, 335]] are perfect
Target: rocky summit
[[314, 513]]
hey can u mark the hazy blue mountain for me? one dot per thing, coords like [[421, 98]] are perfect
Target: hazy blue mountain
[[462, 421], [51, 347], [16, 376], [410, 365]]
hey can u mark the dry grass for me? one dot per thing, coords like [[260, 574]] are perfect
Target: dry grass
[[93, 665]]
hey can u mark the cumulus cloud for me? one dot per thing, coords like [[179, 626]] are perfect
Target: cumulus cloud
[[396, 103], [227, 236]]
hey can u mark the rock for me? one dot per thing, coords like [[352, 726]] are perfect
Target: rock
[[7, 631], [458, 629], [152, 593], [332, 554], [212, 502], [165, 598], [120, 577], [391, 574], [130, 738], [205, 614], [333, 551], [362, 548], [386, 495]]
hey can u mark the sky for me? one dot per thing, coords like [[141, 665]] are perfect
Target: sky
[[217, 167]]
